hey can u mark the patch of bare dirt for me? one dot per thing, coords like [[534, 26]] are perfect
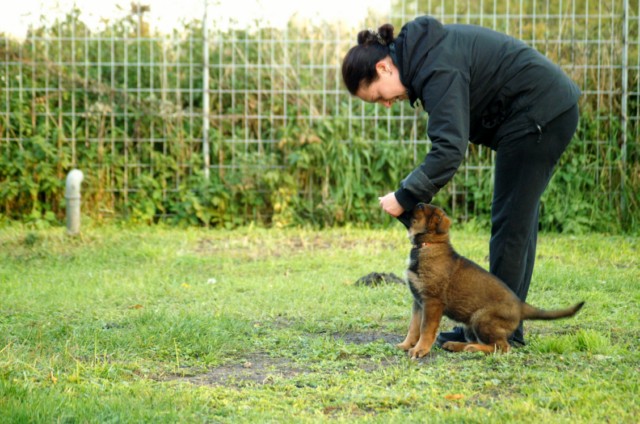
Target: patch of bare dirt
[[374, 279], [262, 369], [366, 338], [257, 369]]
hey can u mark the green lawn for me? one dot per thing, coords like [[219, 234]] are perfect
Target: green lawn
[[160, 324]]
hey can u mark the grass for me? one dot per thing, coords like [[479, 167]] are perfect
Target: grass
[[156, 324]]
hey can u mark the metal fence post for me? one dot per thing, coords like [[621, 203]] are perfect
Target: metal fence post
[[624, 105], [205, 89]]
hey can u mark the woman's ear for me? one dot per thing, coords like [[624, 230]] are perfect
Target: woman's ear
[[383, 67]]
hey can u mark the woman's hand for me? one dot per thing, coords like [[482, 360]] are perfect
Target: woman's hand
[[390, 205]]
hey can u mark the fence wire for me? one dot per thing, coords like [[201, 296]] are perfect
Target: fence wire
[[224, 101]]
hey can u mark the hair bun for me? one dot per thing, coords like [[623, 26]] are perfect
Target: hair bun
[[366, 36], [385, 32], [384, 36]]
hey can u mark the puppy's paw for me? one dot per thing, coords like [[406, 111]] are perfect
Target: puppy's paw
[[472, 348], [405, 345], [418, 352], [454, 346], [487, 350]]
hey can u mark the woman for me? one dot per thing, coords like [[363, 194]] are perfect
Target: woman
[[481, 86]]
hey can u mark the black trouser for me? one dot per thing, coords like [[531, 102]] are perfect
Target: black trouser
[[523, 168]]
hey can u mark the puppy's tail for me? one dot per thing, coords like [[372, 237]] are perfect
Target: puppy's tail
[[531, 312]]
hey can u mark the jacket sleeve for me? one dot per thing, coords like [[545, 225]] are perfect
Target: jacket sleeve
[[445, 97]]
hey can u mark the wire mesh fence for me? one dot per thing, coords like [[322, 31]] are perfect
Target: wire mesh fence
[[219, 124]]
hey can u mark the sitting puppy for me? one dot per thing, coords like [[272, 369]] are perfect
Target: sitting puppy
[[445, 283]]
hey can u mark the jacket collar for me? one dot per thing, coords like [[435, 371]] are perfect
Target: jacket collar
[[410, 49]]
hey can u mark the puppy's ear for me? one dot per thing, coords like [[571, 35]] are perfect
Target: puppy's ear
[[443, 226]]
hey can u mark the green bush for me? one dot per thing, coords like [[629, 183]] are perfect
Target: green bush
[[288, 146]]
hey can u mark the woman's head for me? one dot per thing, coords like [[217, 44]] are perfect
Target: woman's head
[[368, 71]]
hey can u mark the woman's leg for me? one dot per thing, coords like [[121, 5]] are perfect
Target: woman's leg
[[522, 172]]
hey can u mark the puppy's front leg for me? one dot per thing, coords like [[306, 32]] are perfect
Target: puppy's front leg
[[431, 316], [414, 328]]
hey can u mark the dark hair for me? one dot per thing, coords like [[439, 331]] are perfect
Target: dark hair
[[359, 65]]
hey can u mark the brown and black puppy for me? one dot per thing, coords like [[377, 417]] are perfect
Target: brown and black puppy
[[445, 283]]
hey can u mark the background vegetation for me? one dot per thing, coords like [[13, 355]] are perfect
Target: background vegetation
[[288, 144]]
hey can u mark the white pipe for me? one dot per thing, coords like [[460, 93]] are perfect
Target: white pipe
[[72, 194]]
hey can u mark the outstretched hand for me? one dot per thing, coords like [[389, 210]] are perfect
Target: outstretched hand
[[390, 204]]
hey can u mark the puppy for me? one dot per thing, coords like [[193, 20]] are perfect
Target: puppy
[[445, 283]]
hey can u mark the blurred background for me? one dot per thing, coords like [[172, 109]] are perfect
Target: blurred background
[[225, 113]]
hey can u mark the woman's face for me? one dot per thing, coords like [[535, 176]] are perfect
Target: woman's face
[[385, 90]]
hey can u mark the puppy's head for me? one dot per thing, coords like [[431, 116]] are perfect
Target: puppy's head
[[428, 223]]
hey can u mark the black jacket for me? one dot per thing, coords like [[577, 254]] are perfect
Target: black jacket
[[476, 85]]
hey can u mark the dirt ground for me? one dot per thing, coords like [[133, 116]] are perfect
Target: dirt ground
[[262, 369]]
